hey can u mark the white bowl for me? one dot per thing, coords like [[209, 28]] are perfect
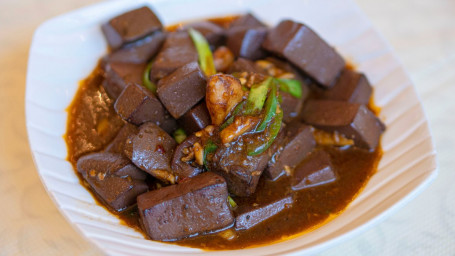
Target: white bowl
[[66, 49]]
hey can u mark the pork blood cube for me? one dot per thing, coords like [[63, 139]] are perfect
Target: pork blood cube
[[298, 142], [247, 20], [316, 170], [354, 121], [196, 119], [246, 42], [151, 149], [196, 206], [138, 105], [211, 31], [350, 86], [245, 65], [130, 27], [182, 89], [250, 216], [117, 145], [291, 106], [178, 49], [305, 49], [140, 51], [113, 178], [118, 75], [183, 162]]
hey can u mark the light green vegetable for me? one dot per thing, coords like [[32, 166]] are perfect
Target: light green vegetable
[[205, 54], [270, 109], [274, 128], [257, 96], [291, 86], [209, 148], [179, 135], [237, 110], [146, 79], [232, 202]]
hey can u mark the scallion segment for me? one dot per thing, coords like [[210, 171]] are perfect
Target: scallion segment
[[146, 79], [291, 86], [269, 110], [205, 54], [257, 96], [273, 130], [209, 148], [179, 135]]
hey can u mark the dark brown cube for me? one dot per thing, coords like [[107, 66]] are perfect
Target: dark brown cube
[[354, 121], [211, 31], [315, 171], [247, 20], [196, 206], [298, 142], [305, 49], [245, 65], [246, 42], [117, 145], [130, 27], [138, 105], [178, 49], [118, 75], [196, 119], [113, 178], [182, 89], [291, 106], [182, 166], [350, 86], [140, 51]]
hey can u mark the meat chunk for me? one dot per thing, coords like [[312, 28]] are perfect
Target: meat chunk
[[182, 89], [196, 119], [291, 106], [183, 162], [130, 27], [152, 150], [140, 51], [211, 31], [138, 105], [177, 50], [194, 207], [246, 42], [298, 142], [118, 75], [316, 170], [244, 65], [354, 121], [117, 145], [113, 178], [305, 49], [350, 86], [241, 171], [247, 20], [250, 216]]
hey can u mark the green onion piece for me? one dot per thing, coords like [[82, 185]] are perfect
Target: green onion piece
[[209, 148], [256, 97], [270, 109], [204, 52], [273, 132], [235, 113], [232, 202], [291, 86], [179, 135], [146, 79]]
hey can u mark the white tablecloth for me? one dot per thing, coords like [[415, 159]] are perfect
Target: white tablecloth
[[423, 35]]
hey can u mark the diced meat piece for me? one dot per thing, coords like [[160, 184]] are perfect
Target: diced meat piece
[[113, 178], [246, 42], [182, 89], [247, 20], [242, 172], [140, 51], [305, 49], [316, 170], [196, 119], [298, 142], [245, 65], [138, 105], [194, 207], [130, 27], [152, 150], [211, 31], [352, 87], [354, 121], [117, 145], [183, 162], [119, 75], [178, 49], [251, 216], [291, 106]]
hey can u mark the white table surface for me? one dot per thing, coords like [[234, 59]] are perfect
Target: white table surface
[[422, 32]]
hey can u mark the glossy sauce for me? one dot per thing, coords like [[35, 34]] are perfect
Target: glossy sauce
[[93, 123]]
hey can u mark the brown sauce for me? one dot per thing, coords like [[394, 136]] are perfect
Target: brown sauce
[[93, 123]]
